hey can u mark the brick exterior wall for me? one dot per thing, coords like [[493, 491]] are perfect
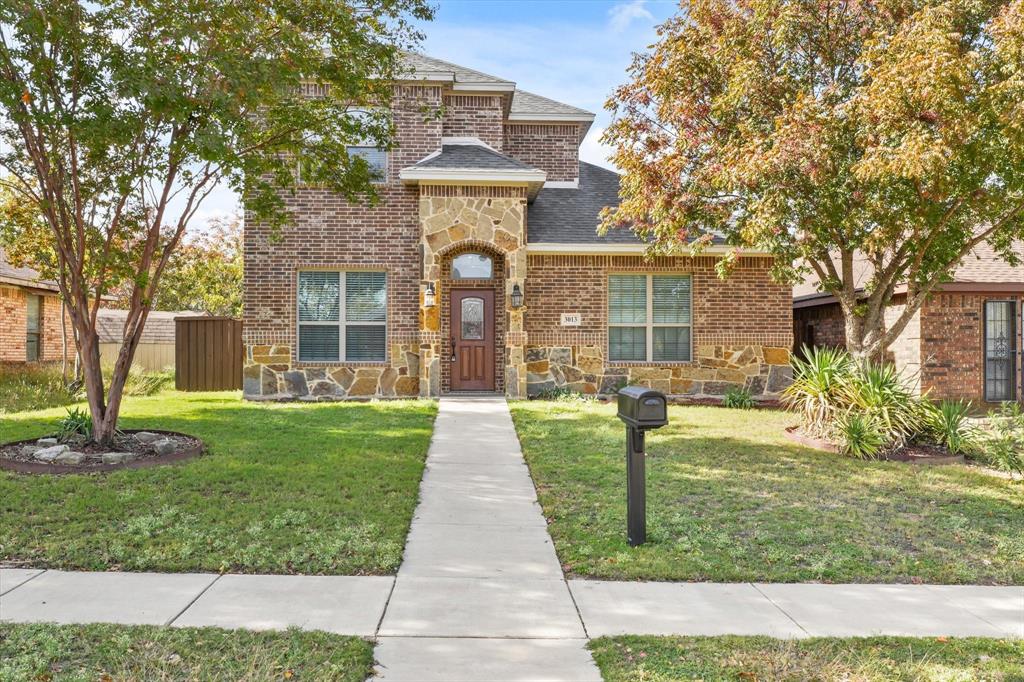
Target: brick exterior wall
[[552, 148], [822, 324], [475, 116], [14, 313], [741, 327], [941, 347]]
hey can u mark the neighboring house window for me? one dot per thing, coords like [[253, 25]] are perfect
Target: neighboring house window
[[472, 266], [1000, 350], [377, 159], [32, 327], [342, 316], [649, 318]]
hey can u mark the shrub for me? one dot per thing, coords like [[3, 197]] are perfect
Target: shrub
[[883, 393], [738, 398], [77, 422], [861, 435], [947, 425], [142, 382], [1004, 449], [32, 387], [815, 391], [559, 393]]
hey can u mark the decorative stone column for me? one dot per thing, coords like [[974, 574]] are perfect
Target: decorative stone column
[[464, 215]]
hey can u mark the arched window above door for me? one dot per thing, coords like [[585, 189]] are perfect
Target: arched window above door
[[472, 266]]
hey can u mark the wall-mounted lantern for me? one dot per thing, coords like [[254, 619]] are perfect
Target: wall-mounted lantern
[[429, 296], [517, 296]]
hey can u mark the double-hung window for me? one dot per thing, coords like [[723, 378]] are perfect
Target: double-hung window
[[376, 158], [342, 316], [649, 318]]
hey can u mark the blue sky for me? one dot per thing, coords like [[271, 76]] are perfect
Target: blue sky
[[573, 51]]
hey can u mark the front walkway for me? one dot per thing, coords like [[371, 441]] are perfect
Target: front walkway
[[480, 594]]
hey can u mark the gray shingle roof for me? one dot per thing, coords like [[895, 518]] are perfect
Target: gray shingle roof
[[571, 216], [527, 103], [471, 157], [28, 277], [159, 325], [420, 63]]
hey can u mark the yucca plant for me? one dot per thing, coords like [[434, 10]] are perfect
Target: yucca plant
[[948, 425], [882, 393], [815, 392], [861, 435]]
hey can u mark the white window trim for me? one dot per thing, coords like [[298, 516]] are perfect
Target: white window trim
[[342, 323], [649, 323]]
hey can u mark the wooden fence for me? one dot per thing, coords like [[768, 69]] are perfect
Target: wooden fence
[[208, 354]]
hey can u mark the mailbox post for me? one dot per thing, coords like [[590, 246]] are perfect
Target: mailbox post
[[641, 409]]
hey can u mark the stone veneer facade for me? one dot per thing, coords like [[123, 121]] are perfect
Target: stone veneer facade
[[742, 326]]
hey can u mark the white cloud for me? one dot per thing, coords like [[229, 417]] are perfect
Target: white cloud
[[623, 14]]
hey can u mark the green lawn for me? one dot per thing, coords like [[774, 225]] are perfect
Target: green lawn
[[748, 659], [729, 499], [84, 653], [324, 488]]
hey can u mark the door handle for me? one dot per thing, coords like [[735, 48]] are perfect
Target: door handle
[[453, 349]]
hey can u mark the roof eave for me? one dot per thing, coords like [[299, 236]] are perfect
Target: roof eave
[[569, 248]]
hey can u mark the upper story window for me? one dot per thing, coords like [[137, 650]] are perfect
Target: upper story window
[[649, 318], [472, 266], [375, 157], [342, 316]]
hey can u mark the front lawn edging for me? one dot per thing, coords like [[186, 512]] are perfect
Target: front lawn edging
[[197, 449]]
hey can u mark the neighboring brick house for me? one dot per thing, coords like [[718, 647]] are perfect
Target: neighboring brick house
[[30, 317], [965, 342], [481, 270]]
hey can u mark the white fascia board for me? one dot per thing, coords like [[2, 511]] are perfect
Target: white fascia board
[[471, 175], [562, 184], [431, 76], [484, 87], [529, 118], [554, 248]]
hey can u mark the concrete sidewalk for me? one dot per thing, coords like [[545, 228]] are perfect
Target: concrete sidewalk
[[480, 594]]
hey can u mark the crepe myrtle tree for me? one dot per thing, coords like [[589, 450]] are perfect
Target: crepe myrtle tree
[[119, 117], [825, 131]]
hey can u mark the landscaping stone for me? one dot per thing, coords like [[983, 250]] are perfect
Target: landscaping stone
[[29, 450], [51, 453], [147, 437], [116, 457], [46, 442], [164, 447], [69, 457]]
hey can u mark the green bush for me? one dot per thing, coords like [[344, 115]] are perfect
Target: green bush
[[881, 392], [947, 424], [559, 393], [738, 398], [815, 391], [862, 436], [77, 422], [1004, 449]]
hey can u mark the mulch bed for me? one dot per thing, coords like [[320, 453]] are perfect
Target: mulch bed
[[913, 454], [13, 457]]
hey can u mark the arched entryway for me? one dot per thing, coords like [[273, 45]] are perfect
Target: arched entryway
[[473, 318]]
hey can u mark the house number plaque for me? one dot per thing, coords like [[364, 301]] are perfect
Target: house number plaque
[[571, 319]]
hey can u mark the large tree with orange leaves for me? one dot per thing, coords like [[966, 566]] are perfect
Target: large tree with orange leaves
[[828, 130]]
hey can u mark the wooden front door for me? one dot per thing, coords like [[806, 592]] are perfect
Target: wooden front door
[[472, 342]]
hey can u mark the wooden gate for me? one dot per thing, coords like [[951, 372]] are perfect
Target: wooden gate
[[207, 354]]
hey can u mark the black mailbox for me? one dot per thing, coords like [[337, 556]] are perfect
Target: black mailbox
[[642, 408]]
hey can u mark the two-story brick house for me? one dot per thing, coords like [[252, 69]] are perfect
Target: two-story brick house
[[481, 270]]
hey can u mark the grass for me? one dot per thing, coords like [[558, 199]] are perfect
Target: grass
[[32, 387], [730, 499], [66, 653], [39, 386], [324, 488], [746, 659]]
